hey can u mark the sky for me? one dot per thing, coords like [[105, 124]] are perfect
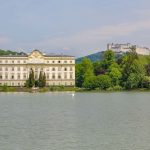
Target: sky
[[74, 27]]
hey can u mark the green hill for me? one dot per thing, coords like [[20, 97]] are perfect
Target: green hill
[[95, 57], [9, 52]]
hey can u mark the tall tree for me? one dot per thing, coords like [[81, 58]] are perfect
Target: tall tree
[[83, 70], [31, 81], [42, 79], [108, 59]]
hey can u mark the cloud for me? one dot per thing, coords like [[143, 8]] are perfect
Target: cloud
[[93, 36], [4, 40]]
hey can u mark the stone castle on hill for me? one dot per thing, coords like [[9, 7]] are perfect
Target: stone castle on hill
[[123, 48]]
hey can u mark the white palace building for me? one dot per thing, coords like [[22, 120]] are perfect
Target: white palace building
[[59, 69]]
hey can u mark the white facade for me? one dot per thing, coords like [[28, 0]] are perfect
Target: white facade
[[59, 69], [126, 48]]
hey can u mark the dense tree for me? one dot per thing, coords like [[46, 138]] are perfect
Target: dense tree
[[147, 67], [42, 79], [98, 68], [127, 61], [90, 83], [131, 71], [108, 59], [31, 81], [103, 82], [115, 74], [146, 82], [83, 70]]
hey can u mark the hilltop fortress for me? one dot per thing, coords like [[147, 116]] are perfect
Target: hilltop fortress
[[123, 48]]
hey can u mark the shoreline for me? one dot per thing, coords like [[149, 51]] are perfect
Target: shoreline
[[64, 89]]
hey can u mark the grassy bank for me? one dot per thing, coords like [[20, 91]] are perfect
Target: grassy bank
[[65, 89], [45, 89]]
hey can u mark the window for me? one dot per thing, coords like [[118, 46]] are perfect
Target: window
[[65, 69], [13, 61], [59, 61], [53, 61], [47, 61], [70, 61], [18, 61], [6, 69], [53, 69], [24, 76], [53, 76], [18, 68], [1, 77], [71, 76], [0, 61], [65, 61], [59, 68], [6, 76], [47, 76], [24, 61], [24, 69], [18, 77], [12, 69], [0, 68], [12, 76], [70, 68], [65, 75], [59, 76], [6, 61]]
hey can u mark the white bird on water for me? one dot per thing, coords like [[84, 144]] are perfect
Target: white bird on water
[[73, 94]]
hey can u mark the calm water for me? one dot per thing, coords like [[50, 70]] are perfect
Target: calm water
[[88, 121]]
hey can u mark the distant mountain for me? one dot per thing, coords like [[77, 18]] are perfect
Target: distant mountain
[[93, 57], [96, 57], [9, 52]]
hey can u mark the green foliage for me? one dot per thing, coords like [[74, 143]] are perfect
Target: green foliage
[[115, 88], [90, 83], [98, 68], [5, 88], [130, 71], [83, 70], [8, 52], [115, 74], [146, 82], [31, 81], [108, 59], [42, 80], [103, 82]]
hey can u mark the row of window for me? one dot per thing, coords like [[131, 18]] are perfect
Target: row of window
[[24, 61], [36, 69], [48, 84], [12, 61], [54, 76]]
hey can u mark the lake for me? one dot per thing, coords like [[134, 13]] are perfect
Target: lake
[[87, 121]]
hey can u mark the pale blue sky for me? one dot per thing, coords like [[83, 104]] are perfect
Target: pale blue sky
[[76, 27]]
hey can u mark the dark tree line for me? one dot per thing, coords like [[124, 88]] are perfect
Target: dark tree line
[[127, 72]]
